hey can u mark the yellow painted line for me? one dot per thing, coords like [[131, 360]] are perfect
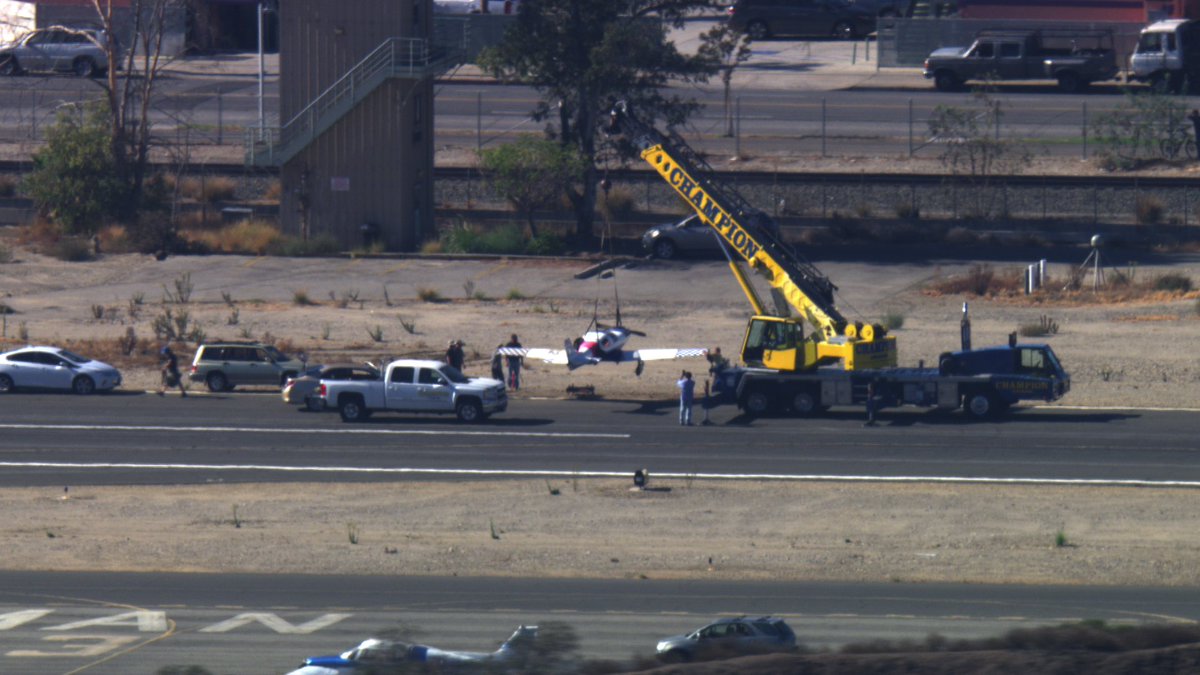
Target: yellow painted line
[[252, 261]]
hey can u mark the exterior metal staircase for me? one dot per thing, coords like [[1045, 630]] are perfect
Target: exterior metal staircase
[[410, 58]]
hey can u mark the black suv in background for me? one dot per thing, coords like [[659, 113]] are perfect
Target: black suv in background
[[762, 19]]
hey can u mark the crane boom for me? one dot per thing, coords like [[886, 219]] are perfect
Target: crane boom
[[772, 341]]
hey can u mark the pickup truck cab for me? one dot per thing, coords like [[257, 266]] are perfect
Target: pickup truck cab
[[415, 386], [1074, 58]]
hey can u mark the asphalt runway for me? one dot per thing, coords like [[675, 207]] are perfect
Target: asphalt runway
[[133, 438], [116, 624]]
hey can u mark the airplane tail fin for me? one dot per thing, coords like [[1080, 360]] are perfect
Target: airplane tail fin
[[574, 358], [521, 639]]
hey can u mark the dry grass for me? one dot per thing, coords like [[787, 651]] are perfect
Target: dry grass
[[252, 237], [274, 191], [984, 281], [199, 219], [209, 189]]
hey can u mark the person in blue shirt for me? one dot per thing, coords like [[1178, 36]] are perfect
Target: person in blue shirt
[[687, 395]]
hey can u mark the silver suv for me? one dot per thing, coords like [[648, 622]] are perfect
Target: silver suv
[[225, 365], [730, 637], [68, 50]]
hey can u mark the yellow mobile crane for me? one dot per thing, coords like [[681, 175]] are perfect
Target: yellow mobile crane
[[774, 341]]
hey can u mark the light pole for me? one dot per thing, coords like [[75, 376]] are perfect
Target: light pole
[[264, 6]]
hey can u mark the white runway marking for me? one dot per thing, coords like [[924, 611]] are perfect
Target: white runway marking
[[556, 473], [294, 430]]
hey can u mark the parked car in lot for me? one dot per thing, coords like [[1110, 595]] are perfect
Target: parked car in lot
[[225, 365], [761, 19], [66, 50], [302, 390], [727, 637], [687, 236], [55, 368]]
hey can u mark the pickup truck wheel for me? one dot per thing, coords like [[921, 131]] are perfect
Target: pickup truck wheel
[[804, 403], [6, 384], [469, 411], [980, 405], [1071, 83], [8, 66], [844, 30], [756, 403], [314, 404], [945, 81], [353, 410]]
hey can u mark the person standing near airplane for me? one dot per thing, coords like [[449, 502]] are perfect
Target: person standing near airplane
[[514, 364], [687, 395]]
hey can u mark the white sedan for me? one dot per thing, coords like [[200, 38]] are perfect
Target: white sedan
[[55, 368]]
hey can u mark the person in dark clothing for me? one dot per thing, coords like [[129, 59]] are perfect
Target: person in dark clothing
[[170, 372], [514, 364], [454, 354], [498, 364], [872, 403]]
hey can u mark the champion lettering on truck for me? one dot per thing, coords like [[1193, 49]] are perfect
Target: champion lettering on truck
[[413, 386]]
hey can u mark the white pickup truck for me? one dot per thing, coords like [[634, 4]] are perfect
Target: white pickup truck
[[416, 387]]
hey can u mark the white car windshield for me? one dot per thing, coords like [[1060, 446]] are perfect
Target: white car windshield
[[72, 357]]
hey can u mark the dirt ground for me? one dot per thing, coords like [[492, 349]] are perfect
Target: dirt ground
[[595, 528]]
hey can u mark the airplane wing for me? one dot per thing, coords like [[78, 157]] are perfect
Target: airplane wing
[[664, 354], [556, 357]]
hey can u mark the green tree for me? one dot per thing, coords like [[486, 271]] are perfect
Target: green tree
[[74, 181], [973, 147], [582, 56], [1147, 125], [727, 47], [533, 173]]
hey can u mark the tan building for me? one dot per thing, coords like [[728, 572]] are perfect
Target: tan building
[[356, 108]]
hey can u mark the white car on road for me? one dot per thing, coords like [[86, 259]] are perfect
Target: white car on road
[[55, 368]]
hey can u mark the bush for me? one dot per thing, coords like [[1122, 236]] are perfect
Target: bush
[[1173, 282], [71, 249], [546, 244], [618, 204], [6, 254], [1042, 327], [321, 245], [505, 239], [893, 321], [1149, 210], [210, 189], [75, 181], [253, 237], [274, 191], [8, 186]]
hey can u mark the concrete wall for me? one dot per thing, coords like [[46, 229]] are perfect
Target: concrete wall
[[374, 166]]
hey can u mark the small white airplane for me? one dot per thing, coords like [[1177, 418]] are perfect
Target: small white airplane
[[375, 654], [603, 344]]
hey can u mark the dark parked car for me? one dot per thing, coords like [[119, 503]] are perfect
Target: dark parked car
[[761, 19], [689, 235], [727, 637]]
